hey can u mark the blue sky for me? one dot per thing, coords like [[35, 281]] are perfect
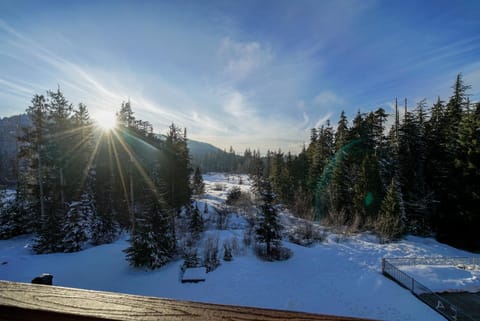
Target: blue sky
[[244, 73]]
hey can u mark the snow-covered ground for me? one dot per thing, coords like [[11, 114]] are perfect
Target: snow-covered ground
[[445, 278], [340, 276]]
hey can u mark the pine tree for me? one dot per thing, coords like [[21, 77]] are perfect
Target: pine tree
[[467, 168], [13, 220], [390, 222], [196, 222], [153, 243], [341, 134], [32, 154], [105, 182], [280, 179], [60, 149], [198, 186], [125, 115], [257, 174], [41, 195], [103, 227], [268, 230], [175, 170], [75, 227]]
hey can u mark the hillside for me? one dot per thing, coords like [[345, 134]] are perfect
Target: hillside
[[10, 128]]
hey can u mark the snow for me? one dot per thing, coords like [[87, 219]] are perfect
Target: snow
[[7, 195], [339, 276], [194, 274], [440, 278]]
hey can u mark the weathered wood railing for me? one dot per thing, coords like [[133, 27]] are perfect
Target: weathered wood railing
[[21, 301]]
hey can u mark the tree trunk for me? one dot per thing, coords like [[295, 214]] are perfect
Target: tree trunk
[[40, 184]]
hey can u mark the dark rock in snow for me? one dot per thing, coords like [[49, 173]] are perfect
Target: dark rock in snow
[[45, 279]]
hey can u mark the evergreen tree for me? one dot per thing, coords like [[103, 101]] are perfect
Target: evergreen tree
[[390, 222], [60, 150], [152, 244], [175, 170], [412, 153], [13, 220], [125, 115], [196, 222], [341, 134], [257, 175], [42, 191], [32, 154], [103, 224], [75, 227], [268, 230], [280, 179], [198, 186]]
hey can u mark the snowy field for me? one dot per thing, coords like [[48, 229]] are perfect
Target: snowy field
[[340, 276]]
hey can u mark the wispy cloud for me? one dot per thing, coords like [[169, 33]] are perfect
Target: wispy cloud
[[328, 99], [323, 120], [241, 59]]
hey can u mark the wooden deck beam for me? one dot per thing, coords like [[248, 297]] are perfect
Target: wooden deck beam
[[32, 302]]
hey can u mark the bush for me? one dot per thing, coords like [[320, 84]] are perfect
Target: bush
[[233, 195], [302, 206], [306, 234], [210, 254], [227, 252], [233, 246], [190, 258]]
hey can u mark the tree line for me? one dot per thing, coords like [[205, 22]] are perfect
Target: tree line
[[420, 175]]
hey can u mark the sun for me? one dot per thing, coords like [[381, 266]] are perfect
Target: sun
[[105, 120]]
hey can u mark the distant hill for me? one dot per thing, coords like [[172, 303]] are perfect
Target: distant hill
[[200, 149], [11, 127]]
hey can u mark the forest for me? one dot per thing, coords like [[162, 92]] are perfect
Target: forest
[[420, 175], [77, 185]]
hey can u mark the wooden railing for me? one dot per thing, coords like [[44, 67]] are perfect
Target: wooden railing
[[32, 302]]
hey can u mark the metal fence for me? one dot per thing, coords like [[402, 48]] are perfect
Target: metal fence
[[435, 301], [450, 261]]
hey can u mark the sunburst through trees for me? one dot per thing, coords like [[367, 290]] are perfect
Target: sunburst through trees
[[84, 179]]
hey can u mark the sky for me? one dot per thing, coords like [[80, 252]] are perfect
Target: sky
[[256, 74]]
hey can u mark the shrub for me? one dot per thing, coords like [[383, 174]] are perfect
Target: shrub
[[233, 195], [210, 254], [306, 234], [278, 253], [227, 252]]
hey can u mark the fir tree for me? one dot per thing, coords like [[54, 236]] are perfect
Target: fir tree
[[390, 222], [75, 227], [268, 230], [125, 115], [13, 219], [198, 186], [196, 222], [175, 170], [153, 244], [341, 134]]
